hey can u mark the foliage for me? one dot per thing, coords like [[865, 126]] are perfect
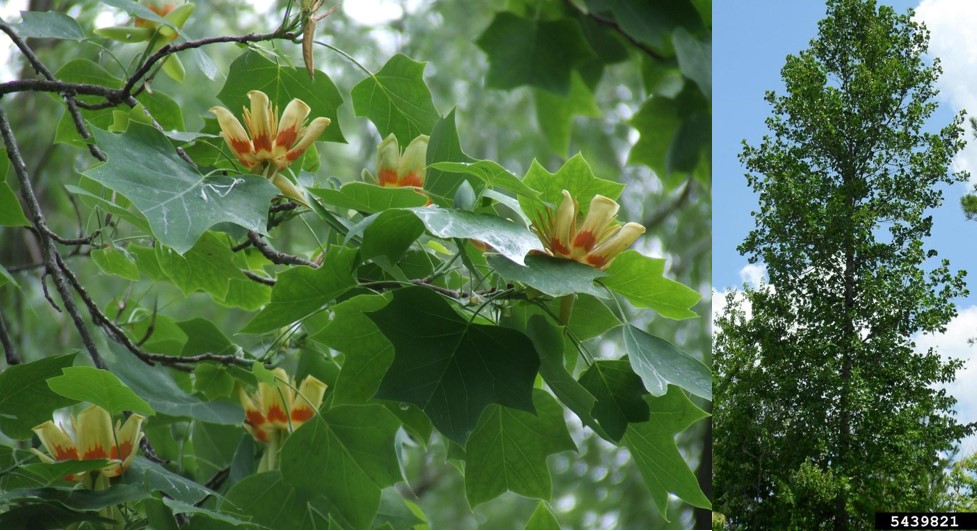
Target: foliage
[[210, 257], [827, 411]]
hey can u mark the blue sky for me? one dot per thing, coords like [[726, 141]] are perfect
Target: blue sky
[[752, 39]]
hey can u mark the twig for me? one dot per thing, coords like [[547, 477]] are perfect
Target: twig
[[258, 278], [8, 347], [277, 257], [52, 258], [219, 478], [47, 294], [664, 213]]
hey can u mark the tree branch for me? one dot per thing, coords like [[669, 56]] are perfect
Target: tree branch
[[52, 259], [664, 213], [8, 347], [277, 257]]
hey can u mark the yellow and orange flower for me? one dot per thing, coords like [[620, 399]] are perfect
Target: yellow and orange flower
[[159, 35], [94, 438], [398, 170], [269, 144], [597, 242], [279, 407]]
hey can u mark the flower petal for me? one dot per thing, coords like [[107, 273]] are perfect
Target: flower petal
[[563, 227], [56, 441], [276, 398], [388, 158], [235, 136], [602, 212], [291, 124], [413, 164], [308, 400], [258, 121], [310, 135], [128, 438], [94, 433], [602, 256]]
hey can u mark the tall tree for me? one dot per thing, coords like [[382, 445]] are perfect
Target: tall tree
[[826, 410]]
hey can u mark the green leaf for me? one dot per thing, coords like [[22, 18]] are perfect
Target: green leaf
[[508, 449], [444, 146], [368, 353], [153, 477], [213, 446], [640, 279], [350, 450], [282, 84], [11, 214], [549, 343], [179, 202], [302, 290], [512, 240], [590, 317], [542, 518], [694, 59], [619, 393], [397, 100], [554, 113], [203, 336], [555, 277], [369, 198], [541, 53], [659, 363], [46, 515], [80, 499], [449, 367], [395, 512], [49, 473], [225, 520], [6, 278], [49, 25], [25, 398], [390, 234], [575, 176], [207, 266], [653, 22], [115, 261], [490, 172], [100, 387], [652, 445], [269, 501], [675, 135], [163, 394]]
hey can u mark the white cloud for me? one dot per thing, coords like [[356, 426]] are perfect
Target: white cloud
[[753, 274], [954, 344], [954, 41]]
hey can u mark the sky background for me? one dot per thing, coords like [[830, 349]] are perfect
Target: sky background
[[751, 41]]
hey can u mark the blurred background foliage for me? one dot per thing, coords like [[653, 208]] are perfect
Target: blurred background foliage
[[638, 107]]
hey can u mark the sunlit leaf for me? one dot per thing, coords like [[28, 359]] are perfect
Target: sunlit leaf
[[639, 278], [100, 387], [659, 364], [397, 100]]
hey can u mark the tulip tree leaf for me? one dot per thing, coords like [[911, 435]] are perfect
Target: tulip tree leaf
[[590, 317], [179, 203], [619, 392], [640, 279], [25, 398], [490, 172], [49, 25], [115, 261], [302, 290], [659, 363], [695, 59], [100, 387], [525, 51], [164, 395], [397, 100], [11, 215], [512, 240], [652, 445], [368, 352], [352, 450], [369, 198], [576, 177], [549, 343], [157, 478], [554, 113], [542, 518], [270, 502], [508, 449], [282, 84], [448, 366], [675, 136], [444, 146], [553, 276], [207, 266]]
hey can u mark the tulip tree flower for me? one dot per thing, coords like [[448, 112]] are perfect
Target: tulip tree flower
[[396, 170], [94, 438], [270, 145], [277, 410], [158, 35], [594, 243]]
